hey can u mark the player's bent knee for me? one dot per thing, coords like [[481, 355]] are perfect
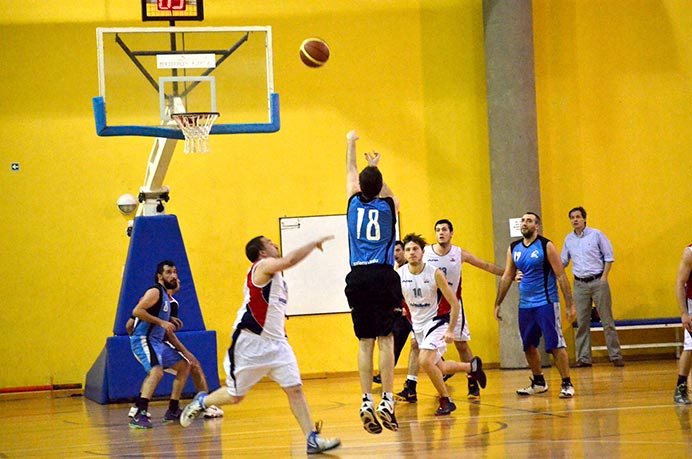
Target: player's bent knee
[[156, 372], [233, 399]]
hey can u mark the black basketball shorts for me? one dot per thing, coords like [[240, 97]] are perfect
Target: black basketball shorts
[[373, 292]]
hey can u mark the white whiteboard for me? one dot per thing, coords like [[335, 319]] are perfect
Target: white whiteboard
[[316, 285]]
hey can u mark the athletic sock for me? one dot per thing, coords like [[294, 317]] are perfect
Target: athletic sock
[[173, 405], [142, 403]]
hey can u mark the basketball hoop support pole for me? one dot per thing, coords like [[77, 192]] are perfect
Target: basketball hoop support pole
[[153, 193]]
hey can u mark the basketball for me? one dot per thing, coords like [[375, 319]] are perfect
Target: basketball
[[314, 52]]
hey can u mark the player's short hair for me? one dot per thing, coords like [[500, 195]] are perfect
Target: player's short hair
[[580, 209], [416, 239], [444, 221], [399, 243], [538, 217], [160, 266], [370, 180], [254, 247]]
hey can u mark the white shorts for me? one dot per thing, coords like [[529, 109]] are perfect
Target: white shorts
[[688, 337], [461, 330], [254, 357], [433, 339]]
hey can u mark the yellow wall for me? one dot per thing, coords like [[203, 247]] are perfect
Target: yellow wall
[[403, 73], [409, 76], [614, 122]]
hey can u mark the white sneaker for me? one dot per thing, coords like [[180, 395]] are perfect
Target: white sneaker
[[385, 410], [533, 389], [567, 390], [213, 411], [369, 419], [318, 444], [193, 410]]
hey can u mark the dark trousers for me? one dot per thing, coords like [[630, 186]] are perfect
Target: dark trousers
[[401, 331]]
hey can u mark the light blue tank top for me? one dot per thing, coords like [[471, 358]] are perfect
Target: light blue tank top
[[538, 286]]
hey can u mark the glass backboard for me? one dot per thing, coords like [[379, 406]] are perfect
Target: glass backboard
[[148, 73]]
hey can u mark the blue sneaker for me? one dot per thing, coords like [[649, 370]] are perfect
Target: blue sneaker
[[318, 444], [194, 409], [141, 419]]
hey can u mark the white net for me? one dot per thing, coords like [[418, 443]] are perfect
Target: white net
[[196, 127]]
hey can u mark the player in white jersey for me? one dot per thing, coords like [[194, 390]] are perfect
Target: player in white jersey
[[683, 293], [259, 345], [433, 321], [449, 258]]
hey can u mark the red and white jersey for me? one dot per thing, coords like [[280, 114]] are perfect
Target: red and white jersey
[[688, 284], [264, 308], [449, 264], [421, 296]]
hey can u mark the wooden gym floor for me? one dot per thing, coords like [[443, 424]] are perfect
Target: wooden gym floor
[[617, 412]]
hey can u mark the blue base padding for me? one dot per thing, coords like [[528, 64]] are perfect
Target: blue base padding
[[117, 376], [154, 239]]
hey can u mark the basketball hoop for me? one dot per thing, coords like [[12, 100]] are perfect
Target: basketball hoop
[[196, 127]]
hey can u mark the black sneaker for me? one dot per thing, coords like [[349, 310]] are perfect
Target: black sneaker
[[446, 377], [408, 394], [377, 379], [680, 397], [477, 372], [446, 406], [474, 390]]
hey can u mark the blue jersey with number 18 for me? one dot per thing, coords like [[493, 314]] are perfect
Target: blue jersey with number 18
[[371, 230]]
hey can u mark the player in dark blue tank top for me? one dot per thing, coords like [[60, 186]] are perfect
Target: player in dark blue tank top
[[373, 288], [539, 311], [162, 310], [152, 314]]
